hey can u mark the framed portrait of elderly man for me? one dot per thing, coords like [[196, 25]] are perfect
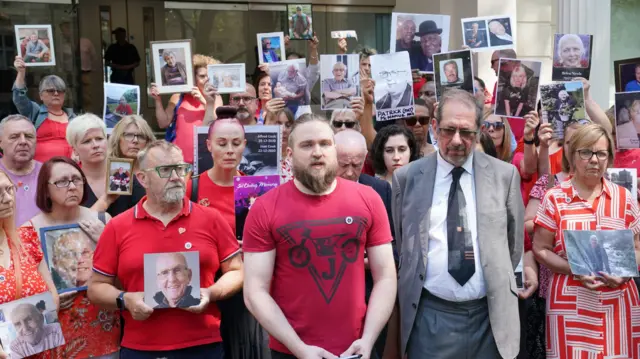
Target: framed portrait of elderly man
[[593, 253], [68, 251], [571, 56], [35, 45], [488, 33], [517, 90], [120, 176], [271, 47], [172, 66], [627, 114], [562, 104], [454, 70], [393, 93], [338, 86], [422, 36], [31, 326], [228, 78], [300, 21], [119, 101], [172, 280], [627, 75]]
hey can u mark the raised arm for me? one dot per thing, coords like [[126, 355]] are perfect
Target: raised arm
[[25, 106], [596, 114], [163, 116]]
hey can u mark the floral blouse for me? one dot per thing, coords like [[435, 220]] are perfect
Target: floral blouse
[[287, 171]]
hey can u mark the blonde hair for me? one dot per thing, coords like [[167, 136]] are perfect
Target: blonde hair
[[518, 69], [504, 153], [585, 137], [76, 130], [200, 61], [118, 132]]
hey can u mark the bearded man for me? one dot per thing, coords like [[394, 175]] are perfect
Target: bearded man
[[304, 245]]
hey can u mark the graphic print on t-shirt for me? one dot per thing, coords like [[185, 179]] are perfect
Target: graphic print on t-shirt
[[325, 248]]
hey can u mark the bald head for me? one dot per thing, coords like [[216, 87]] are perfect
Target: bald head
[[351, 148], [173, 277]]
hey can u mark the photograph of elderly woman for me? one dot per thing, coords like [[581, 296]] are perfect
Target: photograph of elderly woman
[[172, 68], [69, 254], [571, 57], [627, 111], [563, 104]]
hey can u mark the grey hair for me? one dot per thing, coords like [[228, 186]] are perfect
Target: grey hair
[[11, 118], [76, 130], [569, 37], [460, 96], [52, 82], [32, 309], [162, 144], [168, 53], [343, 111]]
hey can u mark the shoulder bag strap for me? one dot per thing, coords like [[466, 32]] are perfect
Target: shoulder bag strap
[[17, 267], [194, 189], [102, 217]]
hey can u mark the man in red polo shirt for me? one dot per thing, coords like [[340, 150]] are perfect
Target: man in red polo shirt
[[304, 245], [165, 222]]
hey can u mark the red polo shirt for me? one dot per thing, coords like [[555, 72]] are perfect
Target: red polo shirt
[[120, 253]]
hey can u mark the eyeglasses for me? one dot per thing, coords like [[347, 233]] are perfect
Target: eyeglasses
[[165, 171], [246, 99], [178, 271], [394, 73], [497, 125], [65, 183], [347, 124], [54, 91], [8, 191], [411, 121], [467, 135], [128, 136], [588, 154]]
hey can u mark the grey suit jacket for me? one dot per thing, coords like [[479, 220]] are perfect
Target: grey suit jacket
[[500, 221]]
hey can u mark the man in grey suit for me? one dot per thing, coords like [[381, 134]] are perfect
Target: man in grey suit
[[458, 218]]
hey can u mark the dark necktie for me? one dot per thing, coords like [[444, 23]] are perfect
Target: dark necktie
[[461, 262]]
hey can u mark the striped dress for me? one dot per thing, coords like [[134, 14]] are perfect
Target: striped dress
[[583, 323]]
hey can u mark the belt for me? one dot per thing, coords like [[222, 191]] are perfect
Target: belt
[[466, 303]]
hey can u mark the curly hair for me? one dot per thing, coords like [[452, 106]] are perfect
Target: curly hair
[[200, 61], [379, 143]]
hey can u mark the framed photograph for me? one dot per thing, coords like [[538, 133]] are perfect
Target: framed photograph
[[35, 45], [300, 21], [563, 103], [519, 274], [172, 280], [624, 177], [627, 112], [289, 83], [393, 94], [627, 75], [262, 155], [228, 78], [517, 91], [344, 34], [571, 56], [489, 33], [246, 189], [475, 34], [271, 47], [120, 178], [596, 252], [119, 101], [43, 332], [338, 83], [454, 71], [408, 31], [68, 251], [172, 66]]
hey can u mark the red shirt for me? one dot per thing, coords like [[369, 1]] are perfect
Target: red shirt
[[627, 159], [218, 197], [120, 253], [318, 278]]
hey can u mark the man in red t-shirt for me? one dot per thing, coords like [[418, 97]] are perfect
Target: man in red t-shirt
[[304, 245], [165, 221]]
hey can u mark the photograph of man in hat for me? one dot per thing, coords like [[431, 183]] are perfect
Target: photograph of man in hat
[[430, 43]]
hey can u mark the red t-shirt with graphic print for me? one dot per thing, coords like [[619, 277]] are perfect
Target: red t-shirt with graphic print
[[318, 278]]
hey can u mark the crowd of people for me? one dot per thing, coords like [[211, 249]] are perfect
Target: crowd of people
[[384, 239]]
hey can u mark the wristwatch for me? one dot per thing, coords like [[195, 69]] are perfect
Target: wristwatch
[[120, 301]]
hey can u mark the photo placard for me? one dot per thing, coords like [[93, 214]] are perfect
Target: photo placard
[[571, 56], [592, 253], [489, 33], [271, 47], [454, 71], [246, 190], [35, 45], [120, 176], [409, 30], [228, 78], [119, 101], [517, 90], [172, 280], [339, 85], [393, 93], [300, 21], [172, 66]]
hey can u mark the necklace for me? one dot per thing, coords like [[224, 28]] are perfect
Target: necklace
[[57, 114]]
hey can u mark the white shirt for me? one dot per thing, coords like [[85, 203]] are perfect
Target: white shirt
[[439, 282]]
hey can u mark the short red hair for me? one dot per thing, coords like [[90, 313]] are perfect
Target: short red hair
[[43, 198]]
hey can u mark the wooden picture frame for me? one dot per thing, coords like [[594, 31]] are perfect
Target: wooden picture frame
[[119, 176]]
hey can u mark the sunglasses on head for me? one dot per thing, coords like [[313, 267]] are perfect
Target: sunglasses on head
[[411, 121], [496, 125], [347, 124]]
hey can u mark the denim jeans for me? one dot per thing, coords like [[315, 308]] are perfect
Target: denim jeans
[[207, 351]]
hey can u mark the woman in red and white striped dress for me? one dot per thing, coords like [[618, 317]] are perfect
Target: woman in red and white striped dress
[[588, 316]]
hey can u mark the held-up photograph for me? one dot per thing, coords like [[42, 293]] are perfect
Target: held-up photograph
[[227, 78], [571, 56], [338, 86], [393, 93], [172, 66], [271, 47], [592, 253], [35, 45], [422, 36], [68, 252], [627, 115], [517, 90], [246, 189], [624, 177], [627, 75], [488, 33], [562, 104], [172, 280], [300, 21], [120, 176], [454, 71], [119, 101]]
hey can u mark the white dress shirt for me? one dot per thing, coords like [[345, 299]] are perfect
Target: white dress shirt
[[438, 280]]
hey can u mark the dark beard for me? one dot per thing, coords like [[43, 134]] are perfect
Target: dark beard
[[316, 184]]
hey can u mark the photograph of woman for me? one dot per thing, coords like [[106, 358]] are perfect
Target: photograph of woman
[[628, 119], [571, 56], [517, 87], [174, 72]]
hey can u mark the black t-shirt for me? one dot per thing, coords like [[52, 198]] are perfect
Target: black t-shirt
[[121, 204], [126, 54]]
